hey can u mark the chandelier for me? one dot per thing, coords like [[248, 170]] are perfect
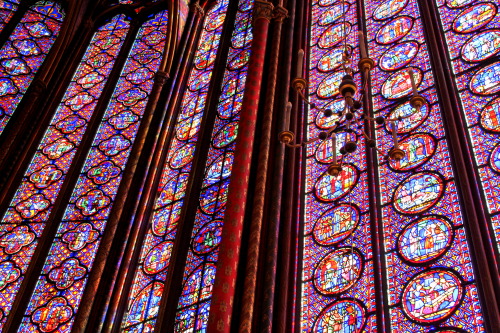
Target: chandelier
[[353, 113]]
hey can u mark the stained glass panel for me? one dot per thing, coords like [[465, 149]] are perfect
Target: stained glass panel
[[66, 270], [472, 33], [199, 274], [7, 10], [24, 52], [143, 302], [29, 210], [429, 274], [338, 275]]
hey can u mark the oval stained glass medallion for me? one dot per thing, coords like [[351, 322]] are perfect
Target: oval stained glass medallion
[[399, 84], [329, 188], [214, 198], [226, 135], [158, 258], [495, 159], [487, 80], [331, 60], [344, 315], [425, 239], [182, 156], [418, 193], [432, 296], [336, 224], [333, 14], [418, 149], [410, 117], [329, 87], [219, 170], [490, 116], [398, 56], [458, 3], [140, 309], [324, 153], [394, 30], [338, 271], [481, 46], [474, 18], [389, 8], [208, 237], [324, 122], [334, 35]]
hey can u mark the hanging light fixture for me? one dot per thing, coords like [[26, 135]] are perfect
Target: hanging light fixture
[[352, 115]]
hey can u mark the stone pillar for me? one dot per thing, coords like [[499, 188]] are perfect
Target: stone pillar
[[229, 248]]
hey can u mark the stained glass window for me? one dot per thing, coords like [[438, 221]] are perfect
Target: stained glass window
[[472, 30], [24, 52], [71, 256], [429, 273], [7, 10], [337, 279], [199, 274], [29, 210], [145, 295]]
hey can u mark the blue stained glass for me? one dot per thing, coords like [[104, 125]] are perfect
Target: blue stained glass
[[25, 50], [192, 313], [66, 270], [172, 189], [337, 285], [423, 232], [39, 188], [472, 33]]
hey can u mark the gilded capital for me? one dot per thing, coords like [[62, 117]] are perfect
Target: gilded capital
[[262, 10], [280, 13]]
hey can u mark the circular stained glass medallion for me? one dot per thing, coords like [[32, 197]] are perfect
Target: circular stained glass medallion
[[410, 118], [481, 46], [200, 81], [329, 87], [331, 60], [324, 122], [389, 8], [338, 271], [418, 193], [394, 30], [208, 237], [165, 219], [158, 258], [345, 315], [490, 116], [432, 296], [226, 135], [495, 159], [474, 18], [458, 3], [334, 35], [336, 224], [333, 14], [418, 149], [398, 56], [324, 153], [215, 20], [399, 84], [329, 188], [182, 156], [425, 239], [487, 80]]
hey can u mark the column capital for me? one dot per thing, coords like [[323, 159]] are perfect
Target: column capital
[[262, 10], [280, 13], [161, 77]]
